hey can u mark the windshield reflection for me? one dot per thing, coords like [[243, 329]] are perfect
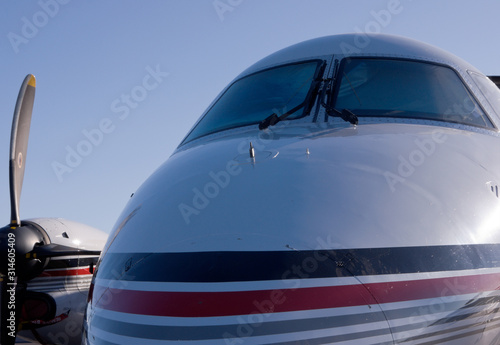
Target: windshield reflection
[[402, 88]]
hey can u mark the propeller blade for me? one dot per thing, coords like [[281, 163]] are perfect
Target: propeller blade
[[19, 144], [54, 250]]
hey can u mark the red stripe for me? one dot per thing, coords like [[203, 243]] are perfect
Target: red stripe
[[64, 272], [205, 304]]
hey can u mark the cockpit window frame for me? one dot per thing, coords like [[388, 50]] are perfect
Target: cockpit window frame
[[307, 103], [484, 92], [343, 62]]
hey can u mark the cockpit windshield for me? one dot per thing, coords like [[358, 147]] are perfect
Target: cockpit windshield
[[408, 89], [253, 98], [369, 87]]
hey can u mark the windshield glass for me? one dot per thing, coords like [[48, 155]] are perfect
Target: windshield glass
[[403, 88], [255, 97]]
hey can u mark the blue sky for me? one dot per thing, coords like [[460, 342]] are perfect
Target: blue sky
[[123, 81]]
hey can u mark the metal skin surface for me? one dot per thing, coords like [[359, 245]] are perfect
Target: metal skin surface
[[379, 233], [66, 280]]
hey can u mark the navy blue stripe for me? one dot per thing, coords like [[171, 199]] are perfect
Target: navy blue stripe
[[257, 325], [251, 266], [71, 263]]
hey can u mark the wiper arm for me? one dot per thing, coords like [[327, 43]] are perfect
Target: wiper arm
[[308, 102], [345, 115], [273, 119]]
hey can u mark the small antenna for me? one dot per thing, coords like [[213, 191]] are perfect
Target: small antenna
[[251, 151]]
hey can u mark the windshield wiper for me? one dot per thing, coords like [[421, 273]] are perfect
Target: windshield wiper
[[345, 115], [308, 102], [273, 119], [327, 99]]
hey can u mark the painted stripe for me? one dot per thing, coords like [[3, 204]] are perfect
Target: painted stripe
[[456, 320], [72, 262], [210, 267], [367, 336], [206, 304], [61, 280], [396, 312], [373, 333], [65, 272], [261, 324], [281, 284], [229, 286], [425, 294], [456, 332], [61, 286], [259, 327]]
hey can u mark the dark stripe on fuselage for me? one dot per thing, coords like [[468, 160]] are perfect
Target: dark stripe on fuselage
[[259, 324], [71, 263], [273, 265]]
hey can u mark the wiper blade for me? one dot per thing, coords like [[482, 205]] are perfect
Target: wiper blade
[[273, 119], [345, 115]]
